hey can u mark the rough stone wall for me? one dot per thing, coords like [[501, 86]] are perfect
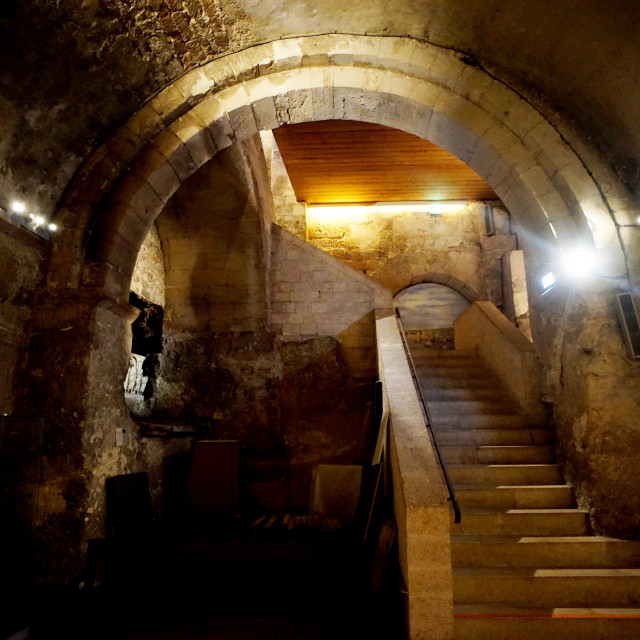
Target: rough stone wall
[[216, 253], [594, 390], [79, 351], [315, 294], [397, 249], [20, 263], [148, 279], [291, 404], [109, 56]]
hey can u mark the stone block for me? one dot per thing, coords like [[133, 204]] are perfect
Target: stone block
[[116, 250], [300, 106], [243, 122], [220, 73], [169, 145], [291, 329], [222, 132], [192, 131], [125, 145], [169, 104], [141, 197], [156, 170], [124, 221], [264, 111], [209, 110]]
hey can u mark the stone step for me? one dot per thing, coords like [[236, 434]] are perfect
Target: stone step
[[544, 551], [445, 356], [516, 497], [526, 522], [497, 454], [504, 437], [447, 407], [452, 366], [504, 474], [456, 372], [535, 587], [473, 394], [495, 622], [480, 421], [433, 380], [441, 355]]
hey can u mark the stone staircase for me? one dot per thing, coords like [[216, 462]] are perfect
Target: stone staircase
[[525, 564]]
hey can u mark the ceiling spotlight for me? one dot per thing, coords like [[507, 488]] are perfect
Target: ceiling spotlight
[[18, 207], [38, 220], [53, 226]]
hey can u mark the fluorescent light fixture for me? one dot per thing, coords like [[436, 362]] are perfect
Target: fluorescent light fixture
[[548, 280]]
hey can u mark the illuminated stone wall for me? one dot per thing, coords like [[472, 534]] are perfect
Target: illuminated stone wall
[[400, 246]]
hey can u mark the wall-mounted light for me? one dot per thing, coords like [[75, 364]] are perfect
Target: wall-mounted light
[[548, 280], [18, 215], [18, 207], [579, 263]]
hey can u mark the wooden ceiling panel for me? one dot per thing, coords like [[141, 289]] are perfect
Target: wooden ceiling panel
[[341, 161]]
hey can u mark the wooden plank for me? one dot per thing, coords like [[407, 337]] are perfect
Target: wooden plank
[[355, 162]]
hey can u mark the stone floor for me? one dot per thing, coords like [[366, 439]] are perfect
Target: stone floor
[[222, 590], [246, 629]]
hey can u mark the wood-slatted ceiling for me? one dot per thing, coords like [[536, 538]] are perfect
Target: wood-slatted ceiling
[[341, 161]]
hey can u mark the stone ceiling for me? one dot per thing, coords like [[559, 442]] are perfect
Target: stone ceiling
[[71, 70]]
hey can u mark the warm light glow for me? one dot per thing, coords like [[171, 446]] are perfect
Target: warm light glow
[[579, 263], [352, 212], [39, 220], [18, 207], [53, 226]]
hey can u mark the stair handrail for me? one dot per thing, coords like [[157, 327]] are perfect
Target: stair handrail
[[428, 424]]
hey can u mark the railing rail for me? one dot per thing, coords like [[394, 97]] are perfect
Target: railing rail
[[428, 423]]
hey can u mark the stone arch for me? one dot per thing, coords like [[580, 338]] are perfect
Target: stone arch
[[445, 279], [398, 82]]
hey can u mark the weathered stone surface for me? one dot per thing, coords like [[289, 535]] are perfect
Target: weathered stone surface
[[292, 405], [212, 233], [20, 259], [393, 248], [148, 274], [596, 412]]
